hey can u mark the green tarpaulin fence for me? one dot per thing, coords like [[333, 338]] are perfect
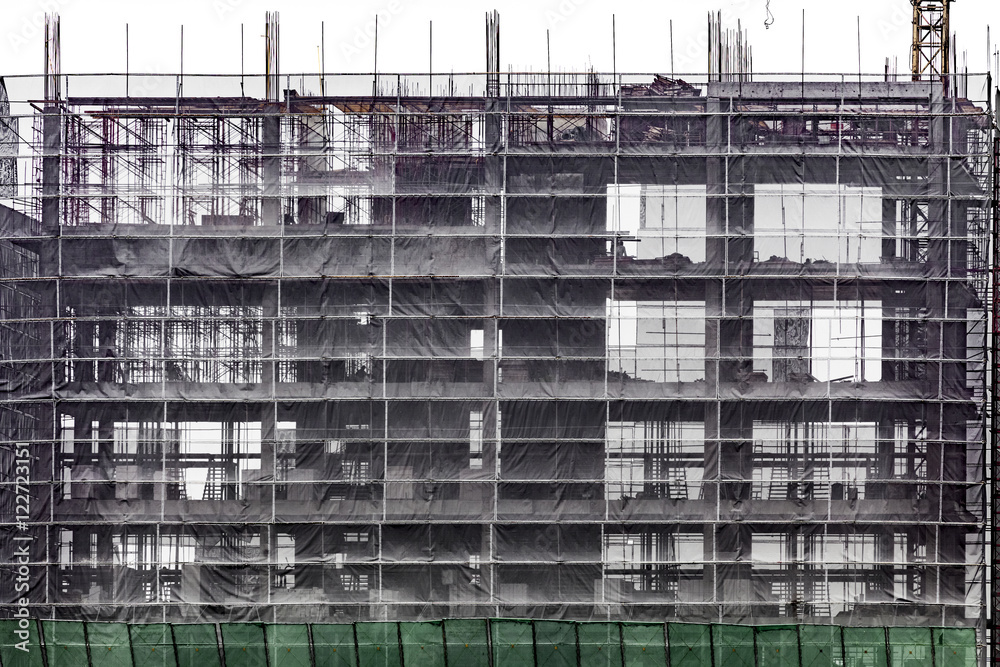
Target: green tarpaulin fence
[[478, 643]]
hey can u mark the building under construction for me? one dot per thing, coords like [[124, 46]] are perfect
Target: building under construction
[[331, 348]]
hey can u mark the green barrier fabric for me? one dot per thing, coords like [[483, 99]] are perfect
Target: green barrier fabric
[[820, 646], [467, 642], [196, 645], [643, 645], [953, 647], [513, 643], [423, 644], [910, 647], [555, 644], [243, 644], [733, 645], [599, 644], [65, 644], [690, 645], [378, 644], [778, 646], [20, 650], [864, 647], [333, 645], [109, 644], [152, 645], [288, 645]]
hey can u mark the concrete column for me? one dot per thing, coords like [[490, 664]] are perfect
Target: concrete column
[[268, 427], [51, 146], [270, 205]]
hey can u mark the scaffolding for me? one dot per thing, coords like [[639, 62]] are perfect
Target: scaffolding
[[573, 346]]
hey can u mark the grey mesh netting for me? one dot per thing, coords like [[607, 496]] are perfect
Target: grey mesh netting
[[575, 348]]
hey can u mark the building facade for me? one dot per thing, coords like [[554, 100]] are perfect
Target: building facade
[[564, 346]]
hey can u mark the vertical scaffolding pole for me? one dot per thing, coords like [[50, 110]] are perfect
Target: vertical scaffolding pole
[[994, 437]]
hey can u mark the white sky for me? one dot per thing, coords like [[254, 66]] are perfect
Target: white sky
[[93, 34]]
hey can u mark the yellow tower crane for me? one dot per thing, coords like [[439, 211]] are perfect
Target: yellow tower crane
[[931, 56]]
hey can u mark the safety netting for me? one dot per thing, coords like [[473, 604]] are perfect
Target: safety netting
[[593, 348], [480, 643]]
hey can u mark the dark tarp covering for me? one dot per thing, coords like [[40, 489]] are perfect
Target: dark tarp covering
[[710, 357]]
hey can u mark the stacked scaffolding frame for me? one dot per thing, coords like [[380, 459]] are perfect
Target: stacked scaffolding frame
[[589, 347]]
